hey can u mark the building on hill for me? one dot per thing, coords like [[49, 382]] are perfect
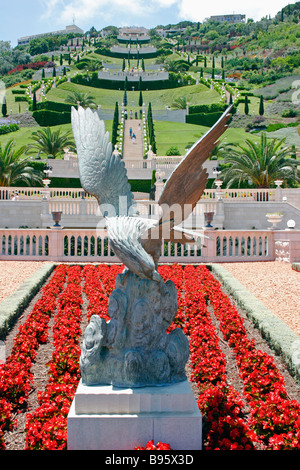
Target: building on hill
[[69, 29], [230, 18], [134, 32]]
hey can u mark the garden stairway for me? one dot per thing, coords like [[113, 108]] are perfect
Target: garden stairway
[[133, 150]]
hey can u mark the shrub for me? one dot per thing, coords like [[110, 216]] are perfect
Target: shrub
[[173, 151], [49, 118], [10, 128], [203, 119], [289, 113]]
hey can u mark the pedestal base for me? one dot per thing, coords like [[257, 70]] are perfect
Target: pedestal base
[[110, 418]]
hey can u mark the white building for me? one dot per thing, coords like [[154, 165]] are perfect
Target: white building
[[69, 29], [230, 18]]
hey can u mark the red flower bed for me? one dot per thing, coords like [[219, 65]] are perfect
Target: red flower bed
[[33, 65], [15, 374], [274, 420]]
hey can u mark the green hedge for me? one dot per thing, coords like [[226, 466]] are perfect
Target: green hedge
[[140, 186], [133, 55], [7, 129], [21, 98], [18, 92], [207, 108], [54, 106], [96, 82], [203, 119], [45, 117]]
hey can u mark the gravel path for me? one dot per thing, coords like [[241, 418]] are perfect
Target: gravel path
[[275, 284], [14, 273]]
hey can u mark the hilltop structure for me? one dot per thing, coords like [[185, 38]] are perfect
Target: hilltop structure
[[69, 29], [234, 18]]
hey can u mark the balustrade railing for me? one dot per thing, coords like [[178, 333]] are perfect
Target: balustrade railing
[[238, 195], [89, 245]]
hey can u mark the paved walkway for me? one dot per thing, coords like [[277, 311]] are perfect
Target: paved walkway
[[133, 150]]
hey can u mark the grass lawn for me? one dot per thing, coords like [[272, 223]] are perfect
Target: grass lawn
[[173, 134], [24, 135], [195, 94]]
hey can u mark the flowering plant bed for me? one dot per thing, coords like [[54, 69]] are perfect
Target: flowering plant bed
[[259, 414]]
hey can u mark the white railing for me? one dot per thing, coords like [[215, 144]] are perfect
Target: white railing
[[87, 245], [238, 195]]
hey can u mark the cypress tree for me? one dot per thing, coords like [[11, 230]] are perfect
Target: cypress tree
[[141, 99], [261, 106], [125, 98], [4, 107], [43, 73], [125, 83], [140, 84], [143, 65], [54, 72], [246, 105], [205, 62], [34, 102], [61, 59]]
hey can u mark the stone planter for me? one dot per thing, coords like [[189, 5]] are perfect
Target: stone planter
[[208, 217], [56, 217], [274, 219]]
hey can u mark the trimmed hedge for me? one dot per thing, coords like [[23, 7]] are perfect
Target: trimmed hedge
[[96, 82], [54, 106], [7, 129], [203, 119], [133, 55], [45, 117], [207, 108]]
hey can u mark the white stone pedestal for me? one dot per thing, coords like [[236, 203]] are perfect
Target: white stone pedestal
[[110, 418]]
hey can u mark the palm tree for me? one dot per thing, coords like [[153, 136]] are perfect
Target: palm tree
[[261, 162], [14, 168], [94, 65], [180, 103], [49, 143], [82, 99]]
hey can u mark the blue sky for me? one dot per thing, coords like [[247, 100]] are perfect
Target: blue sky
[[21, 18]]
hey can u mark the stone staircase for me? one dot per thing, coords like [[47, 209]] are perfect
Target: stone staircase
[[133, 150]]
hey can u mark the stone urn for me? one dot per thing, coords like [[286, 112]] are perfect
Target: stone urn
[[208, 217], [56, 215], [274, 219]]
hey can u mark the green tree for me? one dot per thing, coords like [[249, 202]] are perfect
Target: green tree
[[14, 168], [34, 101], [261, 106], [49, 142], [260, 162], [4, 107], [246, 105], [85, 100], [141, 98], [180, 103]]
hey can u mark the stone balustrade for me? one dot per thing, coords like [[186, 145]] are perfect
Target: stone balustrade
[[91, 245]]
